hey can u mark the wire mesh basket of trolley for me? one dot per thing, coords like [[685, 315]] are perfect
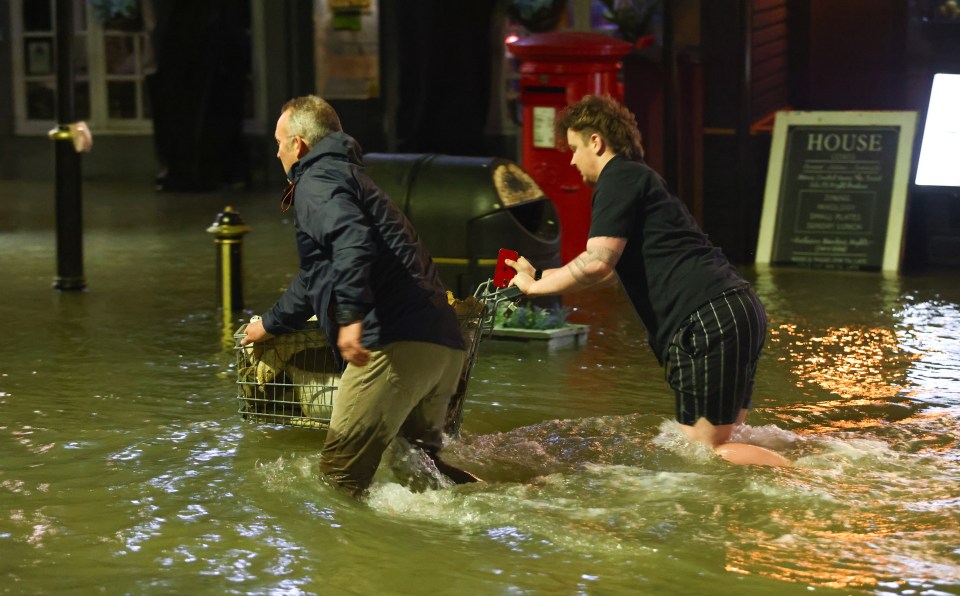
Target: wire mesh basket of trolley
[[292, 379]]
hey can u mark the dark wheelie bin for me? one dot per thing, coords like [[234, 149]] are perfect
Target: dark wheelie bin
[[466, 209]]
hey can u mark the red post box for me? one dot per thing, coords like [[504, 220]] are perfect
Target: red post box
[[557, 69]]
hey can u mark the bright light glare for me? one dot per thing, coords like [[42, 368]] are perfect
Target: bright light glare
[[941, 134]]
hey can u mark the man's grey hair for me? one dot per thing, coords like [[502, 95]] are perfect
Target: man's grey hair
[[311, 118]]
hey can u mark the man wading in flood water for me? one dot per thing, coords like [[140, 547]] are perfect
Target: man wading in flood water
[[375, 290], [705, 323]]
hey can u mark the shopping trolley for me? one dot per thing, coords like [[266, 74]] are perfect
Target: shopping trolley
[[293, 379]]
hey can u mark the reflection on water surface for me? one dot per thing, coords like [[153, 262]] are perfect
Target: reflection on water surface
[[126, 468]]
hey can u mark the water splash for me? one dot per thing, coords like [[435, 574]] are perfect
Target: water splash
[[856, 510]]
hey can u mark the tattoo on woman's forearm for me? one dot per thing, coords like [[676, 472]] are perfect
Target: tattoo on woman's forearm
[[579, 275], [584, 268]]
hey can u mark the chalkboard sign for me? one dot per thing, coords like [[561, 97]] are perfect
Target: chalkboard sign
[[836, 190]]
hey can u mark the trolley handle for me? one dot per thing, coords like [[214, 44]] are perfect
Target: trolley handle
[[493, 295], [508, 293]]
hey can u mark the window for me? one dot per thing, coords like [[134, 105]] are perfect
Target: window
[[111, 61]]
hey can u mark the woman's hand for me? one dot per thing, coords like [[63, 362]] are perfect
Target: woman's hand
[[521, 266]]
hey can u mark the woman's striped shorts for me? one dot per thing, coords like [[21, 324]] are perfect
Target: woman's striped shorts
[[712, 358]]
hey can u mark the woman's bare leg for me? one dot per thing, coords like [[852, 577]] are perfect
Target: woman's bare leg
[[717, 437]]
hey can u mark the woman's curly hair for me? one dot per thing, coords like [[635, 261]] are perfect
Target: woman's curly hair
[[607, 117]]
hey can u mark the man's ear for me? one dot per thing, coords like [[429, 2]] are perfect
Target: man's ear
[[302, 147]]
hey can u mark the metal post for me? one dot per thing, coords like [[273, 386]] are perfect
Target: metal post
[[69, 212], [228, 230]]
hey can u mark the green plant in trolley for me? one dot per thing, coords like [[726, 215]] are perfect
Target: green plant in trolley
[[532, 317]]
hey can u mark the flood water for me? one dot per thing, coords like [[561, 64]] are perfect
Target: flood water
[[125, 468]]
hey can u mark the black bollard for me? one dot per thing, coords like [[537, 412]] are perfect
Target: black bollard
[[228, 231], [69, 213]]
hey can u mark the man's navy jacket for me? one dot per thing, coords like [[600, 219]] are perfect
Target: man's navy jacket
[[360, 258]]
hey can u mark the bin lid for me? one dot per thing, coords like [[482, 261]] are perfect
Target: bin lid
[[569, 46]]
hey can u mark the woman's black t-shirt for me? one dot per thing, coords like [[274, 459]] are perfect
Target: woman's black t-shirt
[[669, 267]]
